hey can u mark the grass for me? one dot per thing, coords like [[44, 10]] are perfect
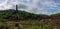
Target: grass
[[27, 25], [31, 27], [40, 27]]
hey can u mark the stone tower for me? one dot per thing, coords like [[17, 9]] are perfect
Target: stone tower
[[16, 8], [17, 26]]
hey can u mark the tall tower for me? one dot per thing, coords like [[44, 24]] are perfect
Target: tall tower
[[16, 13], [17, 26], [16, 8]]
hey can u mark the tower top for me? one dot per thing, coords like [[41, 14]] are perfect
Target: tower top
[[16, 7]]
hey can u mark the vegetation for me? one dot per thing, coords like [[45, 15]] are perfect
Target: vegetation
[[28, 20], [28, 25], [6, 14]]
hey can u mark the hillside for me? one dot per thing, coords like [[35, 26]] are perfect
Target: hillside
[[55, 16], [12, 15], [22, 15], [27, 18]]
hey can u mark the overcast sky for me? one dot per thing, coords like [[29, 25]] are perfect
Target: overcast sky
[[35, 6]]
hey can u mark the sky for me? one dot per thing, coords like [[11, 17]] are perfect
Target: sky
[[33, 6]]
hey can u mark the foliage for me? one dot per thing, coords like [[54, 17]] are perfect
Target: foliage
[[5, 14]]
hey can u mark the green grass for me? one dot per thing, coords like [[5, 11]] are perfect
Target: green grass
[[31, 27], [39, 27], [27, 25]]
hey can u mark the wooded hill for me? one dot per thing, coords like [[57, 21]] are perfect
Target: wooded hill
[[22, 15], [6, 14]]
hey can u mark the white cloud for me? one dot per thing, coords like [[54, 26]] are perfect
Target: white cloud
[[35, 6]]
